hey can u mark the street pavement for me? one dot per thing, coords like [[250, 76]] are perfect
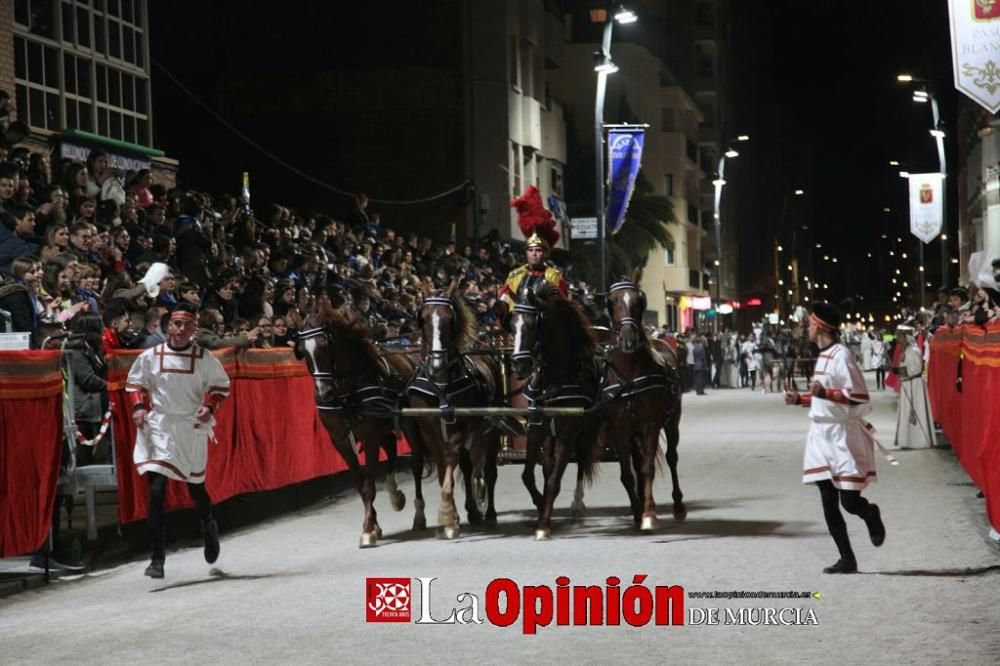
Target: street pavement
[[293, 589]]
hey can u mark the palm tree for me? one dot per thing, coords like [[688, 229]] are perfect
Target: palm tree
[[644, 230]]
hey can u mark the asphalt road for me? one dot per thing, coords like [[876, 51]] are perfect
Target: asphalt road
[[293, 590]]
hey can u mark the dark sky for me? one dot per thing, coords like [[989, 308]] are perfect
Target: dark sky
[[843, 116], [814, 85]]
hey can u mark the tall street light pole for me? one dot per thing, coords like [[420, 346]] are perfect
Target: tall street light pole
[[719, 183], [604, 66], [925, 95]]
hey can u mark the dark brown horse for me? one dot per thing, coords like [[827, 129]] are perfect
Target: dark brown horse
[[556, 353], [642, 389], [357, 393], [451, 376]]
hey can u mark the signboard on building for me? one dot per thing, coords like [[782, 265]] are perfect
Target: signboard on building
[[975, 49], [123, 163], [583, 227], [925, 205]]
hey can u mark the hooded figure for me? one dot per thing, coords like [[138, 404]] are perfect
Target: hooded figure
[[913, 416]]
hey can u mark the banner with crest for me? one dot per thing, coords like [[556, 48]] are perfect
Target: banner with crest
[[975, 49]]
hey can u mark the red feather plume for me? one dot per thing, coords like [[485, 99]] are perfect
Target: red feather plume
[[532, 216]]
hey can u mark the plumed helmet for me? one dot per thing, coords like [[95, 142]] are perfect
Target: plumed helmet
[[536, 223]]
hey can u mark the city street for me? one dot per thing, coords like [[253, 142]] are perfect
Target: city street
[[293, 590]]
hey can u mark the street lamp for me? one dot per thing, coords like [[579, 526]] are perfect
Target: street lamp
[[924, 95], [719, 182], [604, 66]]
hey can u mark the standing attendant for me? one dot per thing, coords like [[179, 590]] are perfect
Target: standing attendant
[[840, 451], [913, 414], [174, 390]]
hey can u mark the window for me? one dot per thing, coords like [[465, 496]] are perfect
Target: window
[[36, 79], [90, 75], [668, 185], [515, 71], [670, 257], [516, 162]]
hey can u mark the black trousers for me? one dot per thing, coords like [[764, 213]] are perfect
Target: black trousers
[[880, 378], [156, 510], [852, 501]]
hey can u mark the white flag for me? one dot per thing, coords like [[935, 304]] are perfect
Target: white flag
[[925, 205], [975, 40]]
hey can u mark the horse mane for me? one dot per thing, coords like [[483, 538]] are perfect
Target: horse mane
[[350, 331], [468, 330], [579, 335]]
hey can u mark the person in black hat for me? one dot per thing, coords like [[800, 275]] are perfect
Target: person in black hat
[[840, 451]]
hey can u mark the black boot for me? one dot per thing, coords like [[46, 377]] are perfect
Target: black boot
[[155, 569], [876, 529], [842, 566], [211, 531]]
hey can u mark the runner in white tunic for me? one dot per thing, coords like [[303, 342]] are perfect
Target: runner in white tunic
[[174, 389], [840, 450]]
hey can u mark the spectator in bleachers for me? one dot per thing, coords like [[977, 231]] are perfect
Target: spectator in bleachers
[[8, 182], [57, 235], [266, 338], [103, 183], [17, 239], [152, 331], [37, 173], [116, 321], [194, 245], [140, 188], [221, 299], [211, 328], [19, 297], [75, 180], [189, 294], [90, 383], [280, 330], [81, 238]]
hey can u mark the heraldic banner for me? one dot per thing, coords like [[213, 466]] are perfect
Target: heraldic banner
[[925, 205], [975, 49], [624, 159]]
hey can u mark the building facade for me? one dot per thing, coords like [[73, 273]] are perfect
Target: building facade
[[79, 74]]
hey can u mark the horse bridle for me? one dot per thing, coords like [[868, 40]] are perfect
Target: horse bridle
[[432, 354], [617, 326], [525, 308], [320, 377]]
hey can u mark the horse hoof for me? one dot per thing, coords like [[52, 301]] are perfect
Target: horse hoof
[[398, 501], [649, 523], [490, 520], [451, 532], [543, 535], [475, 518], [680, 511], [419, 523], [578, 510], [378, 532], [368, 540]]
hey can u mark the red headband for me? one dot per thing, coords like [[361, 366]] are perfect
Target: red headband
[[181, 314], [822, 325]]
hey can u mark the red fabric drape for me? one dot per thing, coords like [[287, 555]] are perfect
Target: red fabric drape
[[30, 448], [970, 419]]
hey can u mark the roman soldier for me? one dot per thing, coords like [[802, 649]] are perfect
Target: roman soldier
[[539, 229]]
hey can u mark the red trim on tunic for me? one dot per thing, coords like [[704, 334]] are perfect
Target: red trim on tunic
[[163, 463]]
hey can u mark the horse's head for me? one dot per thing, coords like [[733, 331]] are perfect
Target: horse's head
[[331, 368], [438, 321], [626, 303], [525, 322]]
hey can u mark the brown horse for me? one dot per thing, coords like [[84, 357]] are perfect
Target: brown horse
[[642, 389], [555, 352], [357, 393], [448, 377]]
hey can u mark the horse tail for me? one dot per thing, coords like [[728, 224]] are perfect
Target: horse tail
[[588, 450]]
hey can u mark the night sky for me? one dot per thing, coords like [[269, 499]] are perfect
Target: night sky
[[813, 83]]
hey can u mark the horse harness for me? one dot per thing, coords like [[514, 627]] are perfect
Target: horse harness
[[380, 400]]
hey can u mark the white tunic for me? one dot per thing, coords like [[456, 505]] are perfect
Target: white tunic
[[913, 418], [172, 442], [840, 446]]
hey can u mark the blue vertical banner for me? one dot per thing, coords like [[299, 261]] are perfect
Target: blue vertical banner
[[624, 160]]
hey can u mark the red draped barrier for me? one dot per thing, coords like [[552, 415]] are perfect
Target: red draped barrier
[[970, 418], [268, 433], [30, 447]]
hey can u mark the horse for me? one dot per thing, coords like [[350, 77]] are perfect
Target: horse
[[555, 353], [449, 376], [641, 389], [357, 392]]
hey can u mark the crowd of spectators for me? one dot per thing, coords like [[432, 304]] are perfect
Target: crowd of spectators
[[92, 240]]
